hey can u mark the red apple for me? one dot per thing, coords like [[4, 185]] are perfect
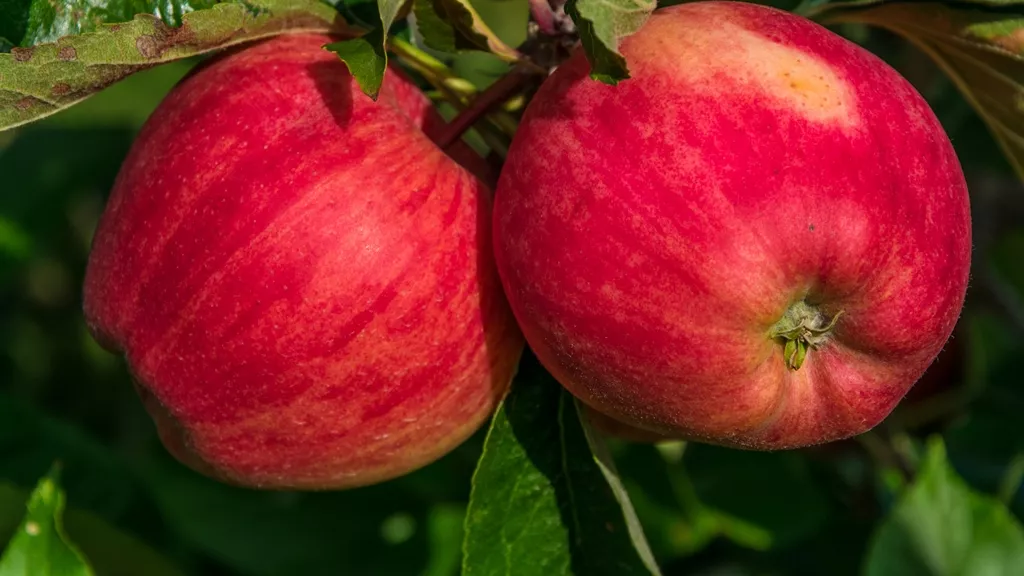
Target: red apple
[[301, 281], [760, 240]]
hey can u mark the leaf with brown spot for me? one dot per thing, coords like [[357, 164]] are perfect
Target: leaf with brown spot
[[30, 22], [40, 80], [980, 48]]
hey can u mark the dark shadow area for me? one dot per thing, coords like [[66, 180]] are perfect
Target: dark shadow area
[[504, 342], [335, 85]]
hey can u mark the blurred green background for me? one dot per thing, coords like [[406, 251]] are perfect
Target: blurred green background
[[133, 510]]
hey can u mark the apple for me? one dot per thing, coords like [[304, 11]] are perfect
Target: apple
[[759, 240], [301, 281]]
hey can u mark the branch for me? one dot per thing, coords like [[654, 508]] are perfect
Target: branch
[[495, 94]]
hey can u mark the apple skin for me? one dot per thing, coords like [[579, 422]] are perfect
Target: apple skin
[[301, 281], [651, 236]]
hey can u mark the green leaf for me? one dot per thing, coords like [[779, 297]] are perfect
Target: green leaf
[[452, 25], [39, 547], [366, 56], [546, 499], [41, 80], [602, 24], [942, 527], [366, 60], [110, 551], [980, 48]]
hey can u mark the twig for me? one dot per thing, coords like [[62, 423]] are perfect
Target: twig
[[453, 89], [506, 86], [433, 70]]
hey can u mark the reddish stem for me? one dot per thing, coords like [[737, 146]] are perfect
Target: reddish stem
[[495, 94]]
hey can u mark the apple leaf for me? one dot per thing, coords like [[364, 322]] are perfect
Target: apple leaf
[[39, 547], [981, 49], [366, 59], [602, 24], [109, 550], [546, 499], [452, 25], [940, 526], [366, 56], [37, 81]]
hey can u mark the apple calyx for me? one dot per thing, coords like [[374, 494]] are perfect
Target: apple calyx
[[802, 326]]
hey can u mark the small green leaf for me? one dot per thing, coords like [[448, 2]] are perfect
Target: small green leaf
[[40, 548], [981, 49], [38, 81], [602, 24], [366, 56], [109, 550], [942, 527], [546, 499], [366, 60]]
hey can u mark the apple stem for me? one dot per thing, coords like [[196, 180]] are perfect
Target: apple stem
[[802, 327], [500, 125], [495, 94]]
